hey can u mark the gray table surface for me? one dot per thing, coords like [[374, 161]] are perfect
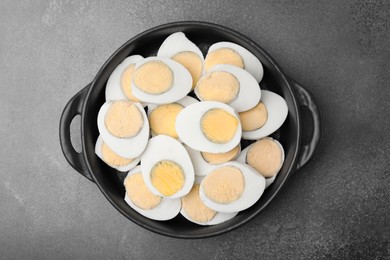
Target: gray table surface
[[335, 207]]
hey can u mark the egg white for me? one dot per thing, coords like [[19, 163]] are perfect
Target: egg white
[[167, 209], [277, 113], [113, 88], [98, 152], [181, 85], [201, 167], [254, 188], [125, 147], [242, 159], [251, 63], [189, 130], [162, 147], [249, 94]]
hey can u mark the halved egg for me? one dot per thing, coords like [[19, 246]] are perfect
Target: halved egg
[[179, 48], [209, 126], [167, 168], [195, 211], [119, 83], [230, 85], [231, 187], [234, 54], [152, 206], [124, 127], [162, 118], [269, 118], [266, 156], [160, 80], [107, 155]]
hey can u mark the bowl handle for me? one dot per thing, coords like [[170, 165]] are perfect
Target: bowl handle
[[305, 99], [72, 109]]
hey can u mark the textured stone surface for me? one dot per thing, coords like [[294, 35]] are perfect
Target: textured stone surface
[[336, 207]]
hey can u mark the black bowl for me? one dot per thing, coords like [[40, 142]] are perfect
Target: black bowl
[[89, 100]]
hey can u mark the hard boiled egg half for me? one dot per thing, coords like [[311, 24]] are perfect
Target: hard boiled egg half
[[112, 159], [162, 118], [230, 85], [119, 83], [160, 80], [139, 197], [232, 187], [167, 168], [266, 156], [124, 127], [209, 126], [234, 54], [265, 118], [179, 48]]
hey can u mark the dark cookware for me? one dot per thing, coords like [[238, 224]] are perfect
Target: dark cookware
[[88, 101]]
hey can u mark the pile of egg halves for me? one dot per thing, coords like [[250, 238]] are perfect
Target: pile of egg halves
[[183, 154]]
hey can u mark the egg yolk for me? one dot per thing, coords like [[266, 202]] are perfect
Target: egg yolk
[[195, 208], [218, 126], [224, 185], [218, 158], [139, 193], [265, 156], [112, 159], [126, 79], [254, 118], [163, 118], [223, 56], [167, 177], [218, 86], [192, 62], [153, 77], [123, 119]]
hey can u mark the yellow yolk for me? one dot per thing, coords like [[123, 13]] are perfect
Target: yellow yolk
[[218, 158], [192, 62], [167, 177], [224, 185], [195, 208], [153, 77], [218, 86], [123, 119], [266, 157], [218, 126], [223, 56], [112, 159], [254, 118], [163, 118], [139, 193], [126, 79]]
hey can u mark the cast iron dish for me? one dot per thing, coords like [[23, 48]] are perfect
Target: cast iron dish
[[88, 101]]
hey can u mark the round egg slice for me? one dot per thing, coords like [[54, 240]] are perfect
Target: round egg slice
[[107, 155], [276, 111], [124, 127], [167, 168], [201, 167], [152, 206], [231, 85], [119, 83], [160, 80], [231, 187], [179, 48], [195, 211], [266, 156], [209, 126], [162, 118], [234, 54]]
